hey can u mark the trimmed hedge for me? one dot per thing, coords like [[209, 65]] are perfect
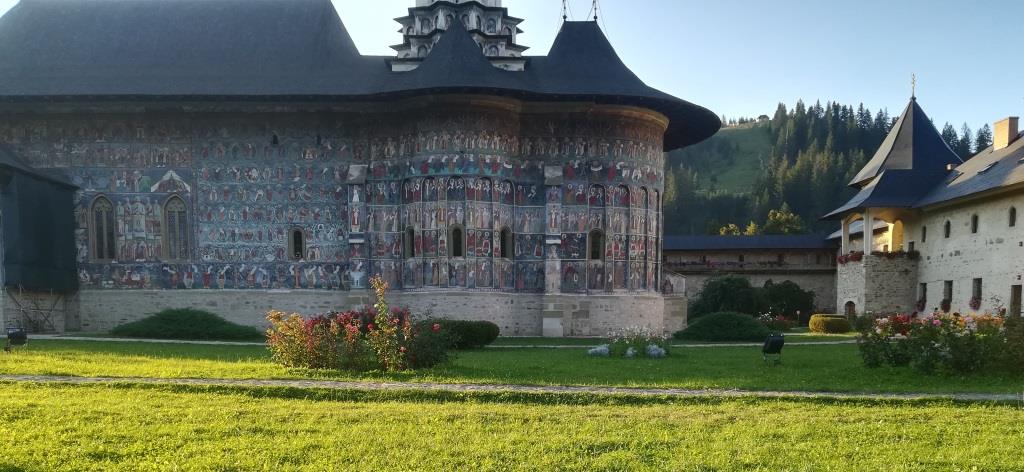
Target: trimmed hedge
[[725, 326], [190, 325], [469, 334], [829, 324]]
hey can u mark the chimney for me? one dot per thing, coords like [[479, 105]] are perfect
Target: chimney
[[1005, 133]]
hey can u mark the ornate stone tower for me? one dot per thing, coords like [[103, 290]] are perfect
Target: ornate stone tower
[[489, 24]]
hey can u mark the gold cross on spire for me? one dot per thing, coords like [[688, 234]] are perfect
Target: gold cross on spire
[[913, 85]]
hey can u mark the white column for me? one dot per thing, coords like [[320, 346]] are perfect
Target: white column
[[869, 232]]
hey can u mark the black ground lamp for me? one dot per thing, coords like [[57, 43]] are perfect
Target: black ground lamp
[[16, 337], [772, 349]]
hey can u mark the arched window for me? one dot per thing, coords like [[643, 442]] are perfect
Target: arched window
[[176, 229], [1013, 217], [421, 51], [947, 229], [456, 242], [595, 241], [409, 243], [507, 243], [974, 224], [103, 230], [296, 244], [924, 234]]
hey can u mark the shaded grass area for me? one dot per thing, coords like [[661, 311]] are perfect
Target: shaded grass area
[[159, 428], [188, 324], [812, 368]]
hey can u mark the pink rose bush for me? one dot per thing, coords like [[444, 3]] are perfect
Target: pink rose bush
[[374, 338], [937, 342]]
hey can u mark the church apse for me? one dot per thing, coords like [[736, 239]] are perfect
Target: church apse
[[426, 198]]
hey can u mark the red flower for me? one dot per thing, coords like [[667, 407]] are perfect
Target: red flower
[[401, 349], [371, 326], [436, 327]]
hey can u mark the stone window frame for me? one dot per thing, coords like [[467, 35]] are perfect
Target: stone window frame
[[977, 288], [506, 240], [409, 243], [176, 249], [924, 234], [102, 240], [456, 251], [975, 224], [595, 244], [1012, 217], [947, 229], [296, 252]]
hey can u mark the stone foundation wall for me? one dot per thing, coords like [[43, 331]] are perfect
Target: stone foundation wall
[[39, 312], [515, 314], [878, 284]]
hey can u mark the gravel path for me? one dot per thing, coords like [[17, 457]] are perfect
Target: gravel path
[[442, 387], [50, 337]]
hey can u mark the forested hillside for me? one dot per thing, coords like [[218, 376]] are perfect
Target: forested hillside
[[798, 160]]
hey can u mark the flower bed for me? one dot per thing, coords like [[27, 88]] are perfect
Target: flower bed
[[937, 343], [633, 342], [374, 338]]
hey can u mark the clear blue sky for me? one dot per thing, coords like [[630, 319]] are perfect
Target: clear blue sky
[[742, 57]]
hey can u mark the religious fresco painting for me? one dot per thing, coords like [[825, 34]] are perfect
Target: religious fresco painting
[[304, 202]]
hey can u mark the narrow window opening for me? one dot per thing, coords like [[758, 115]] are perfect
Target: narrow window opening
[[409, 243], [1013, 217], [947, 229], [974, 224], [176, 229], [297, 241], [103, 230], [596, 241], [455, 245], [924, 234], [274, 140], [506, 243]]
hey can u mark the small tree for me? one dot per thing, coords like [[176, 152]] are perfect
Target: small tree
[[783, 221], [729, 230], [787, 298], [727, 293]]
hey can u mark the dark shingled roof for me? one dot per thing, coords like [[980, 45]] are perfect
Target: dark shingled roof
[[988, 170], [907, 166], [730, 243], [290, 49]]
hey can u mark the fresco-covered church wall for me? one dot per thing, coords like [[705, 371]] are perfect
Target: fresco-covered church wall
[[354, 185]]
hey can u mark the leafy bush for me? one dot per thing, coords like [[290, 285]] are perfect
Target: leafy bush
[[372, 338], [187, 324], [735, 294], [469, 334], [727, 326], [729, 293], [941, 343], [787, 299], [829, 324], [637, 340]]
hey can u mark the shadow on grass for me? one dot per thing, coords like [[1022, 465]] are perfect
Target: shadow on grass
[[497, 398]]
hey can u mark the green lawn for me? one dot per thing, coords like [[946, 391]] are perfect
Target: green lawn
[[817, 368], [190, 428]]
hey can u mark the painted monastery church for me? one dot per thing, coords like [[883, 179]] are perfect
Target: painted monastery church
[[241, 155]]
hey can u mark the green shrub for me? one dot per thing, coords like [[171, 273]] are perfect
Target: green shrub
[[727, 326], [469, 334], [188, 324], [829, 324], [726, 294], [786, 298]]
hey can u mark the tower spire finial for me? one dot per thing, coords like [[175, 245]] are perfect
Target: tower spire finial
[[913, 86], [565, 10], [594, 6]]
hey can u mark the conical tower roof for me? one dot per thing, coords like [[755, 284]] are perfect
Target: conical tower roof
[[911, 161], [912, 144]]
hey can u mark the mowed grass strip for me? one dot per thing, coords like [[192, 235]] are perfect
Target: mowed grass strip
[[163, 428], [811, 368]]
